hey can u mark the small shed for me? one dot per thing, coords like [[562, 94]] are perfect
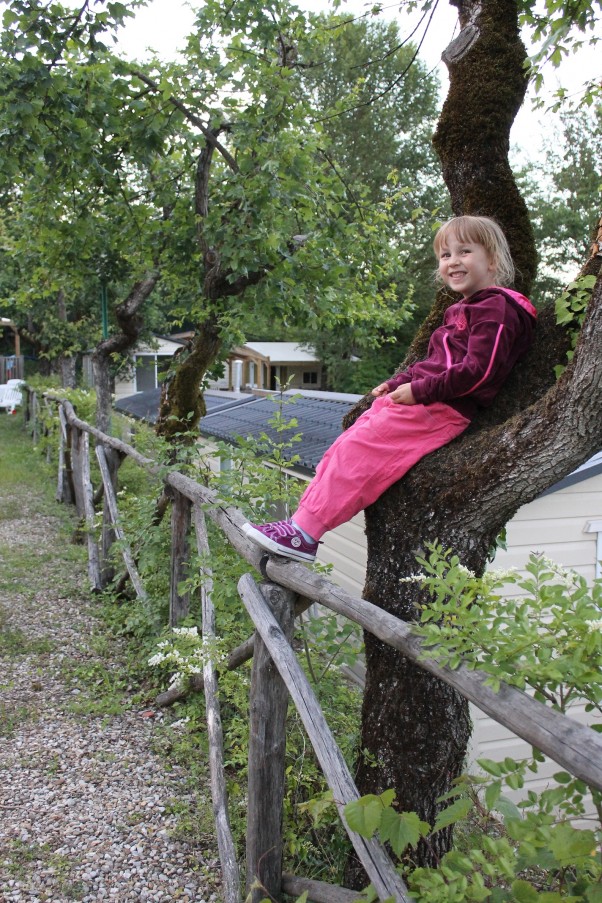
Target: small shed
[[146, 365], [149, 362], [269, 365]]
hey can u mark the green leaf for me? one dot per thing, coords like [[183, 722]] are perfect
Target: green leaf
[[490, 767], [524, 892], [571, 846], [364, 815], [318, 806], [401, 829], [507, 808], [492, 794], [594, 894], [452, 814]]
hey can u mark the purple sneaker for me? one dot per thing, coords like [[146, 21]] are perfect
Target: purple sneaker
[[283, 538]]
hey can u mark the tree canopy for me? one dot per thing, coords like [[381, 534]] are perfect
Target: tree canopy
[[215, 173]]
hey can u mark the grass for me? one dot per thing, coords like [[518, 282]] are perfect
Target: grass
[[43, 563], [17, 472], [14, 642], [11, 718], [23, 857]]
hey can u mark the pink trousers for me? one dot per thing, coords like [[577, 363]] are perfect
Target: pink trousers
[[370, 456]]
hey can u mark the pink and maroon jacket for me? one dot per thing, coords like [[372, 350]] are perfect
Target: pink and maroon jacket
[[472, 353]]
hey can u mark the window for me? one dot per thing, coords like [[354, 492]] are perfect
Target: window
[[310, 377], [146, 372]]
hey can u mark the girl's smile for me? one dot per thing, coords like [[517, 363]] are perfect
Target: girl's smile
[[465, 267]]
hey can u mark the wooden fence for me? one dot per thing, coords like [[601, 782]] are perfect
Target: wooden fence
[[287, 589]]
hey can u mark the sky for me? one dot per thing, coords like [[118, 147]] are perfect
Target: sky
[[163, 25]]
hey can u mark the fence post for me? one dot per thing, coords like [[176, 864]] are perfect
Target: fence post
[[34, 418], [111, 505], [373, 856], [267, 748], [108, 534], [48, 430], [76, 464], [65, 491], [219, 794], [179, 605], [88, 503], [26, 391]]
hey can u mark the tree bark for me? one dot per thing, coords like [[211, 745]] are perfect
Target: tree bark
[[415, 728], [67, 363], [487, 87], [130, 323], [182, 403]]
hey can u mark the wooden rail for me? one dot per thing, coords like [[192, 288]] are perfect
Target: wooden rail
[[289, 588]]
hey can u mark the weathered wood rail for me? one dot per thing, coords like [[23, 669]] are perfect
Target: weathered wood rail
[[288, 588]]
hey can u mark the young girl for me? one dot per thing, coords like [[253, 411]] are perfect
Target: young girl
[[426, 406]]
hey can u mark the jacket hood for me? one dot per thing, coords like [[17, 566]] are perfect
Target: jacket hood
[[521, 300]]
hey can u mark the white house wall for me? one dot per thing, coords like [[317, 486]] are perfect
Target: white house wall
[[555, 525], [345, 549]]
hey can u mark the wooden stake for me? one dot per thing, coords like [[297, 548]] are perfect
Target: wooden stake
[[179, 605], [88, 495], [267, 749], [379, 868], [111, 503], [219, 795]]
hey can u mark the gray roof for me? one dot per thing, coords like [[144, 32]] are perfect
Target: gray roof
[[319, 422], [142, 405], [319, 417], [229, 416], [145, 405]]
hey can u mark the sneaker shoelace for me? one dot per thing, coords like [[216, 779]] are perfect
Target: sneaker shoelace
[[281, 528]]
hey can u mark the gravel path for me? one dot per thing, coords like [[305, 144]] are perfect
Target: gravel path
[[87, 809]]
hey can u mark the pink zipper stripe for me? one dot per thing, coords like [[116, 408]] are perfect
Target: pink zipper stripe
[[448, 357], [485, 376]]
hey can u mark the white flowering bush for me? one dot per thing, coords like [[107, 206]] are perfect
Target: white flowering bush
[[548, 639], [184, 653]]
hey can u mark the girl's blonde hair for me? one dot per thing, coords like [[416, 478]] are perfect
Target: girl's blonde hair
[[484, 231]]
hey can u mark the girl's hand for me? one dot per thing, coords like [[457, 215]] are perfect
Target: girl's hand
[[403, 395], [383, 389]]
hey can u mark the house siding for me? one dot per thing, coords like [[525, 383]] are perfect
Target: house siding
[[345, 550], [555, 525]]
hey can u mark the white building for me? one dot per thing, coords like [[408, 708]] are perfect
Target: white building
[[269, 365]]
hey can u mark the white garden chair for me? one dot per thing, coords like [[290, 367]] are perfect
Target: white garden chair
[[10, 395]]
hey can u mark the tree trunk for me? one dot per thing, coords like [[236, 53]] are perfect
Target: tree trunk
[[487, 87], [66, 362], [68, 372], [414, 727], [182, 402], [130, 322]]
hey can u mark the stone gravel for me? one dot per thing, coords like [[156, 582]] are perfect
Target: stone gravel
[[86, 805]]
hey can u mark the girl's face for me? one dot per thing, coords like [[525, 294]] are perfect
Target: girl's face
[[465, 266]]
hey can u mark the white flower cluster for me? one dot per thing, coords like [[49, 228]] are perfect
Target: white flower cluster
[[569, 578], [186, 652], [592, 626]]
